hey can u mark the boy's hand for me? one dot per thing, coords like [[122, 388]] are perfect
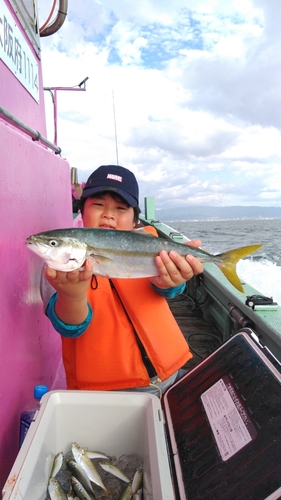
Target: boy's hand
[[71, 306], [71, 283], [175, 270]]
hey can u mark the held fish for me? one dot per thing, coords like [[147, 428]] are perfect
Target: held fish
[[123, 254]]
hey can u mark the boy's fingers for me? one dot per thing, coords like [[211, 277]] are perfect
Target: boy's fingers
[[86, 272], [195, 264], [50, 273], [89, 265]]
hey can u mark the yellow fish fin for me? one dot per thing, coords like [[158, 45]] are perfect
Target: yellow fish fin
[[229, 260]]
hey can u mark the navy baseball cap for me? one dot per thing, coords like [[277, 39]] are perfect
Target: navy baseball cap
[[114, 178]]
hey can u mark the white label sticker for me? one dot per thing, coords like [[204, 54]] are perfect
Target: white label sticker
[[16, 53], [229, 421]]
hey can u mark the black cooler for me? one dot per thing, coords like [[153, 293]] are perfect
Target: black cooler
[[224, 425]]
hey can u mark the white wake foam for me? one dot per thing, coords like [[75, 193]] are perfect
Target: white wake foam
[[263, 275]]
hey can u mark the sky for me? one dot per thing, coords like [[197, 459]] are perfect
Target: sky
[[186, 94]]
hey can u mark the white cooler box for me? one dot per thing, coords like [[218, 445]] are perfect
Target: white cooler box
[[115, 423], [222, 422]]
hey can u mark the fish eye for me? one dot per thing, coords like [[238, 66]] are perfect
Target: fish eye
[[53, 243]]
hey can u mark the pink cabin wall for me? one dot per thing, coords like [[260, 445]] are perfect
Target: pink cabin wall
[[14, 96], [20, 103], [35, 196]]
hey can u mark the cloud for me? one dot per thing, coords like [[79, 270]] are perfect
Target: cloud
[[186, 96]]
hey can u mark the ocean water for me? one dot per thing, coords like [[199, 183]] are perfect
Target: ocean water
[[262, 269]]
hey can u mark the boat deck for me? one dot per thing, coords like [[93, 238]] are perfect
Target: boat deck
[[202, 338]]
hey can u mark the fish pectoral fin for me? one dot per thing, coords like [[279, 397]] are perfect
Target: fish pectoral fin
[[99, 259]]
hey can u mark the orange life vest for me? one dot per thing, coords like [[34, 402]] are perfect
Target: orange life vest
[[107, 356]]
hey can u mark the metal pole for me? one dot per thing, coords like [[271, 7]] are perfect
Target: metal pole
[[53, 91], [34, 134]]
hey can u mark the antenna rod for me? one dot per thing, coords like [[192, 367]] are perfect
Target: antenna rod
[[114, 116]]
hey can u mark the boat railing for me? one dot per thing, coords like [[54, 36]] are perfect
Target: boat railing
[[34, 134]]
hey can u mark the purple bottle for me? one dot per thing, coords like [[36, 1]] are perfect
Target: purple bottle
[[27, 415]]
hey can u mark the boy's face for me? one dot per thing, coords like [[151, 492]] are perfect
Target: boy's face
[[102, 211]]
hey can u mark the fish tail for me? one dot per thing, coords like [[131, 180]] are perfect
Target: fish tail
[[228, 261]]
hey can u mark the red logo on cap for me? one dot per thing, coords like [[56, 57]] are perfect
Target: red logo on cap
[[114, 177]]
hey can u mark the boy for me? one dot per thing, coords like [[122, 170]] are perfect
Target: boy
[[119, 334]]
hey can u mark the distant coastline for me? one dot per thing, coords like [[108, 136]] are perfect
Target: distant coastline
[[217, 213]]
